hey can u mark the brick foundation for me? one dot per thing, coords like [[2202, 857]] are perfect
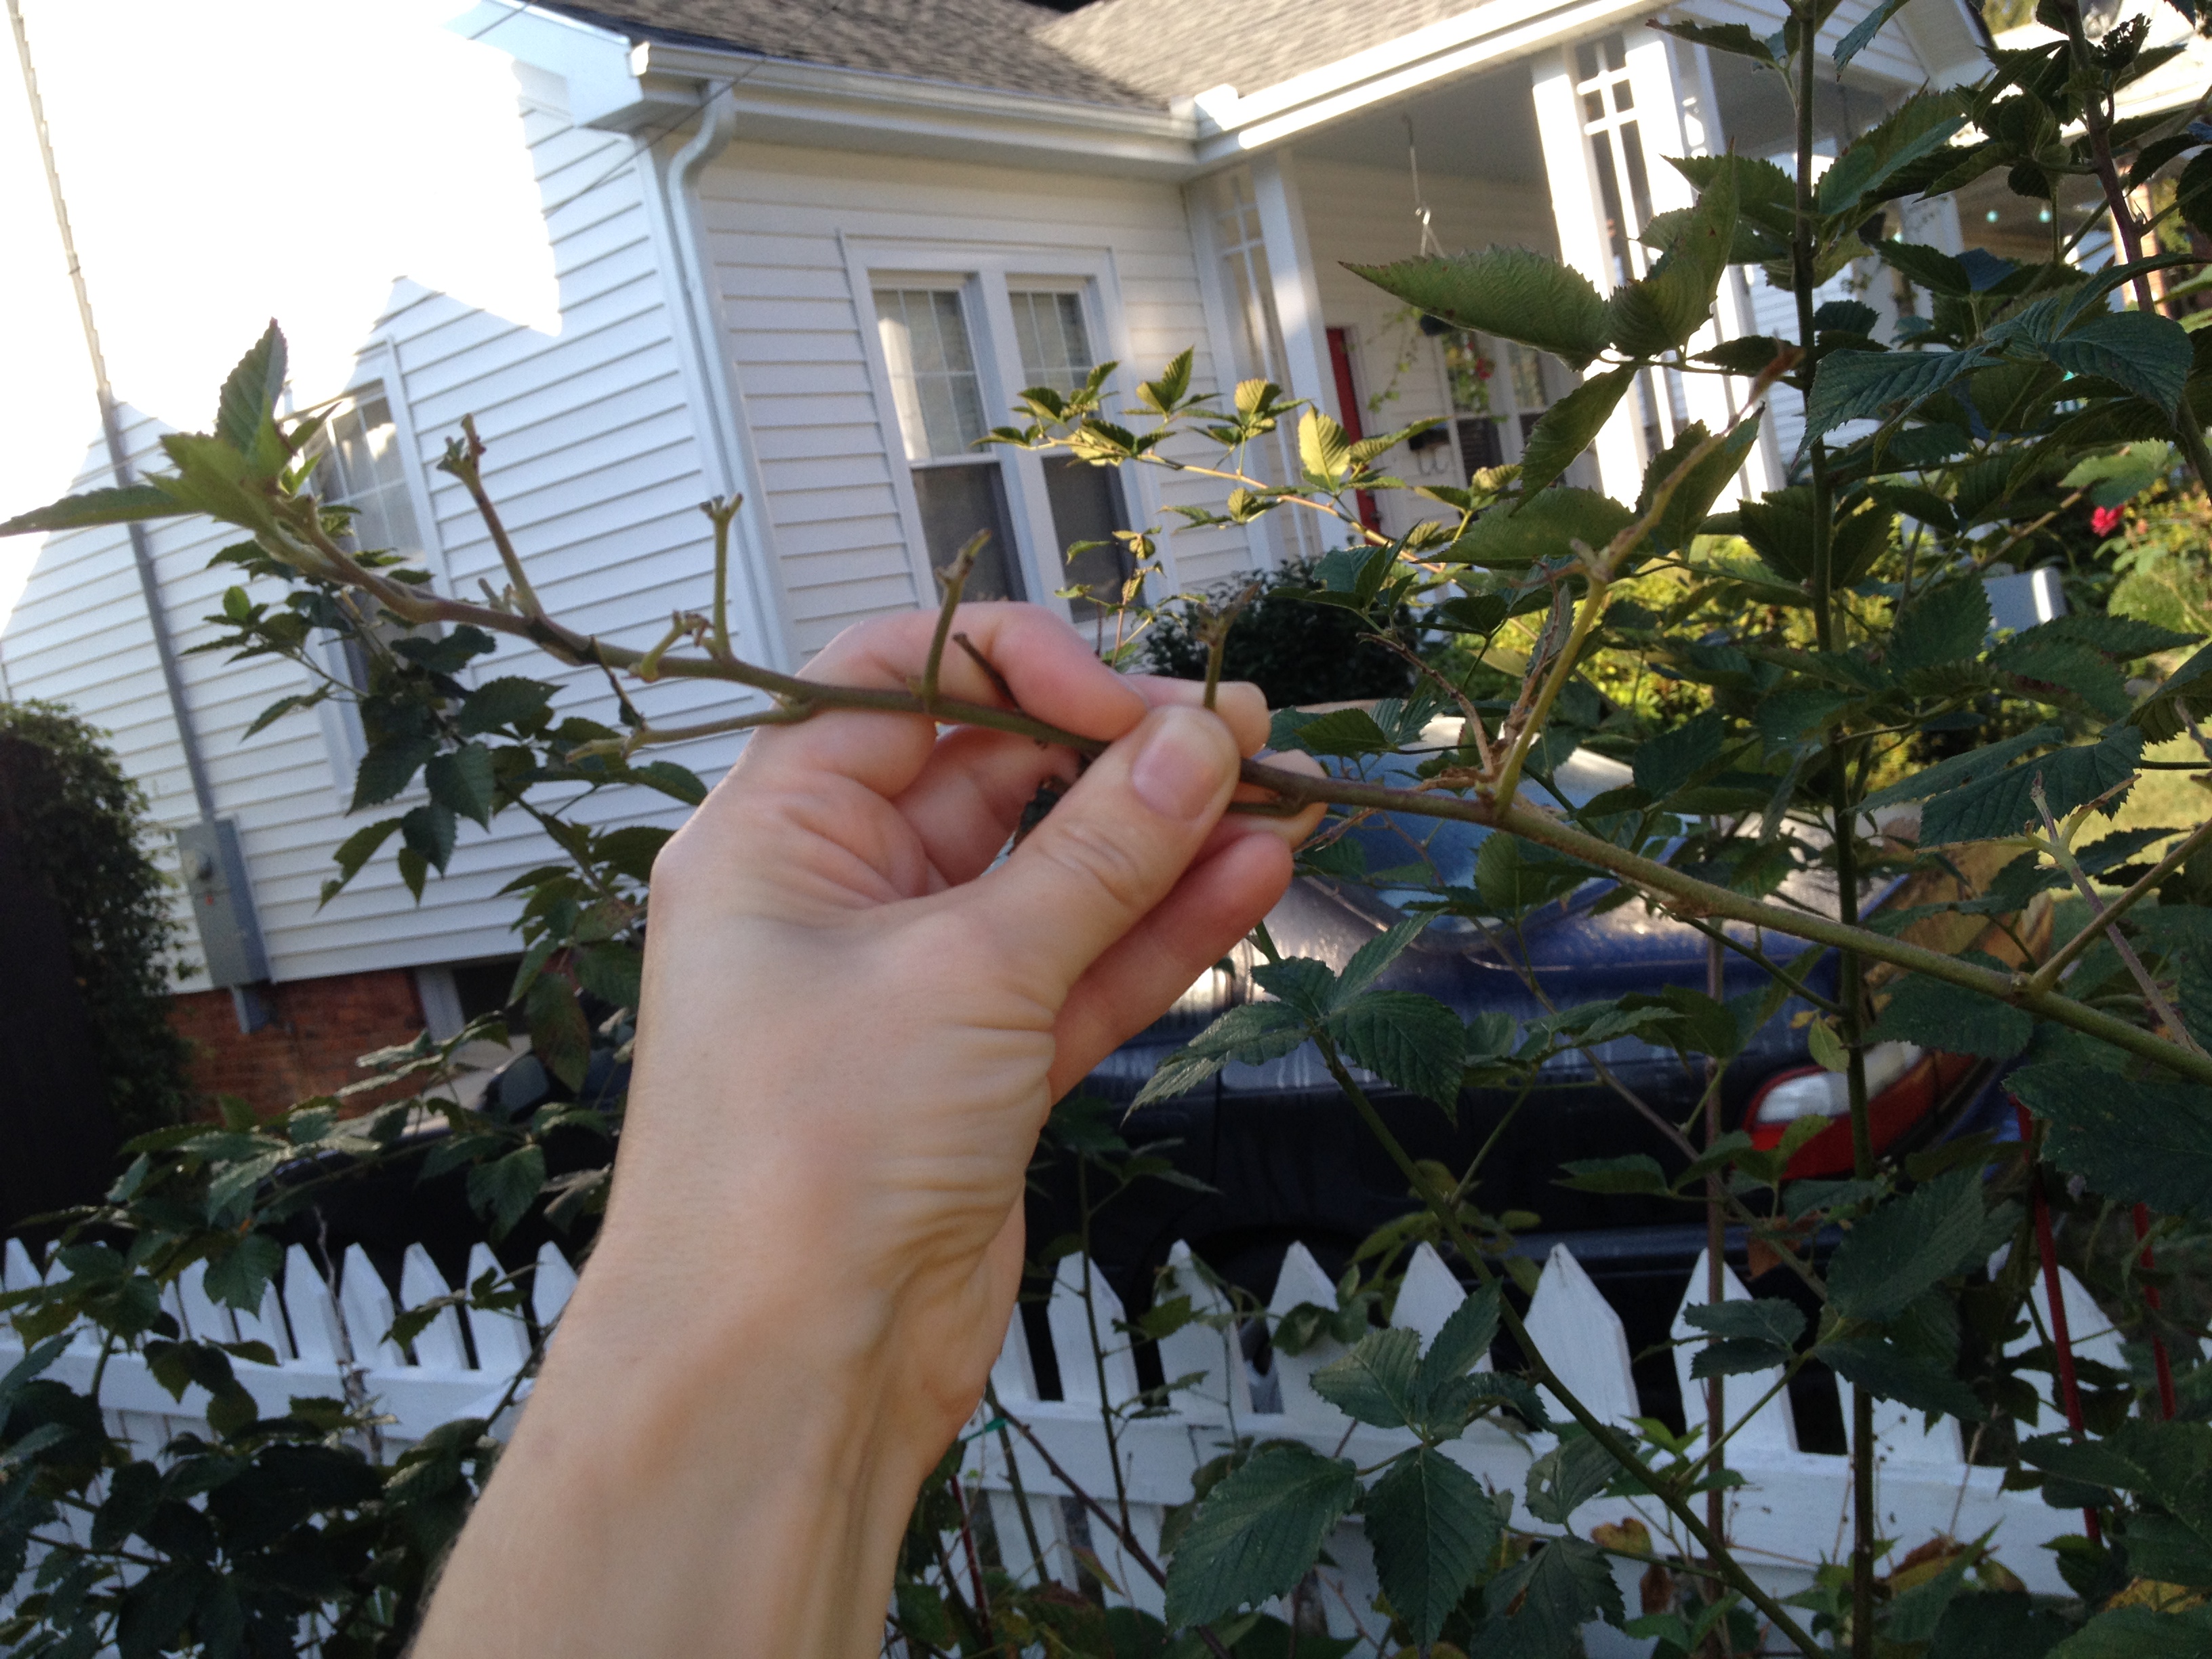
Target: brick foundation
[[321, 1026]]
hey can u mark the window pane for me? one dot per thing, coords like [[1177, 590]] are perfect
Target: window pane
[[956, 502], [363, 469], [932, 370], [1055, 344], [1086, 506]]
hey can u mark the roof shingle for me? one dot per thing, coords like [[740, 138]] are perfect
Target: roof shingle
[[977, 43]]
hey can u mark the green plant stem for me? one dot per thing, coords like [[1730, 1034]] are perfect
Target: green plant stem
[[1621, 1453], [721, 512], [2166, 1012], [1014, 1473], [1850, 991], [1135, 1551], [956, 578], [1295, 789], [2102, 917], [463, 460]]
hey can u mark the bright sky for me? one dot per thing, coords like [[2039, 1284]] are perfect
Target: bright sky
[[229, 161]]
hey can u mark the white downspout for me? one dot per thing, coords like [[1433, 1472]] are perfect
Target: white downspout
[[726, 457]]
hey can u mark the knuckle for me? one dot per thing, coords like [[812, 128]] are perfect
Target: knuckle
[[1096, 859]]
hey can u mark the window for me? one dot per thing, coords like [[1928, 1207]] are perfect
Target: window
[[941, 400], [1497, 392], [1603, 82], [363, 466], [1085, 501]]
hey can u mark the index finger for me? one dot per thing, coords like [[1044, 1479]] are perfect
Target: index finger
[[1046, 666]]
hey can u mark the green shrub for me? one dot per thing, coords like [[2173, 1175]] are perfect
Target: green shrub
[[86, 836]]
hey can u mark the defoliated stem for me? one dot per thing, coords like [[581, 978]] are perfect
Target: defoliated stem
[[2104, 916], [956, 578], [721, 510]]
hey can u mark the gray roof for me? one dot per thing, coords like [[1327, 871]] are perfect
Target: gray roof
[[976, 43], [1180, 48]]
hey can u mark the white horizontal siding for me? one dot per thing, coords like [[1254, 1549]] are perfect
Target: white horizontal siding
[[594, 463], [1364, 216], [778, 221]]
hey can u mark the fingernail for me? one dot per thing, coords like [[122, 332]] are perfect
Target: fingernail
[[1179, 770]]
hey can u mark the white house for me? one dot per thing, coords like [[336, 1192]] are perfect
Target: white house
[[807, 250]]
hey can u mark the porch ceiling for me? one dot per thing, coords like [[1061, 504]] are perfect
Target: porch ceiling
[[1483, 126]]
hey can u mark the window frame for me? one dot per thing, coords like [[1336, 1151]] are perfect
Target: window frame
[[376, 374], [985, 278]]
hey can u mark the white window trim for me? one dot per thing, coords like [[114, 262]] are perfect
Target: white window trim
[[984, 276], [377, 370]]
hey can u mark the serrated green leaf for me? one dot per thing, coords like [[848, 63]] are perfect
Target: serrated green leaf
[[1945, 625], [1252, 1033], [1323, 449], [1731, 1356], [428, 832], [2002, 804], [2067, 664], [508, 701], [1560, 1589], [1765, 1319], [1671, 760], [1931, 268], [1460, 1345], [1545, 526], [1569, 427], [97, 506], [461, 780], [2149, 356], [1864, 31], [1936, 1014], [1853, 385], [1631, 1172], [1373, 1382], [1736, 38], [558, 1035], [1917, 129], [388, 768], [1889, 1373], [1961, 770], [1511, 875], [504, 1189], [2139, 1633], [1433, 1529], [612, 973], [241, 1274], [1908, 1246], [1257, 1531], [250, 394], [1508, 292], [1342, 732], [1568, 1476], [1411, 1040], [677, 782], [2142, 1142], [1678, 523], [1371, 959]]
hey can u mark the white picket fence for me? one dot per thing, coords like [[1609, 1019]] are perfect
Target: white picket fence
[[1791, 1514]]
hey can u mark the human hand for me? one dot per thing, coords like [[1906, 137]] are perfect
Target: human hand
[[853, 1028]]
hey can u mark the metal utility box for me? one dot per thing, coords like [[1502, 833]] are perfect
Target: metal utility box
[[222, 903]]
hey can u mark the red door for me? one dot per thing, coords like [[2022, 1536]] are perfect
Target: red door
[[1347, 405]]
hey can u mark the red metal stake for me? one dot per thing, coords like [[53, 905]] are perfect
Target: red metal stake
[[2150, 1295], [2070, 1389]]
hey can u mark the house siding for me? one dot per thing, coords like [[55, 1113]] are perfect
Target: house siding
[[594, 461], [779, 222]]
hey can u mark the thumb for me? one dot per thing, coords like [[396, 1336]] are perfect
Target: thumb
[[1113, 848]]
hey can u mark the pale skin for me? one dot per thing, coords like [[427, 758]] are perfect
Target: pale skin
[[853, 1028]]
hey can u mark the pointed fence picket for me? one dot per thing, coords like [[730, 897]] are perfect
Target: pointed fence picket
[[330, 1336]]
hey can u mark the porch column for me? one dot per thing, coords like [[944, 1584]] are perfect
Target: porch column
[[1581, 219], [1624, 104], [1291, 276]]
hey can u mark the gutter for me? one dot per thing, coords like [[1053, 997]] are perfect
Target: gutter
[[727, 452]]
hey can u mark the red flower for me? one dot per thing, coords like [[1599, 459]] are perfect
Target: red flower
[[2105, 520]]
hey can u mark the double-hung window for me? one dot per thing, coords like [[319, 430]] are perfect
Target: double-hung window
[[364, 465], [958, 491], [1084, 501], [957, 346]]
